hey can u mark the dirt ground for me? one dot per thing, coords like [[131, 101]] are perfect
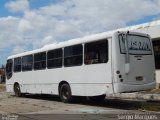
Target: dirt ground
[[2, 87], [31, 105]]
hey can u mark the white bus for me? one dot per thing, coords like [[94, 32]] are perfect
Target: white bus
[[92, 66]]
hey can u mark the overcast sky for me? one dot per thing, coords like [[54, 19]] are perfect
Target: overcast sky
[[30, 24]]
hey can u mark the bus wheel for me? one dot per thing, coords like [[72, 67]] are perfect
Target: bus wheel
[[65, 93], [17, 90]]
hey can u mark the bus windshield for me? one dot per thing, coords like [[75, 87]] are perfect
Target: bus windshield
[[137, 44]]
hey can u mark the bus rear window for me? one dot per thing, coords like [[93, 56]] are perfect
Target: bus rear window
[[137, 44]]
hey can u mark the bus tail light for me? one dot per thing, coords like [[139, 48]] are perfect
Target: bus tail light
[[120, 76], [121, 80], [118, 72]]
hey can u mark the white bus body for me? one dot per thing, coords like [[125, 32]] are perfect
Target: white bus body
[[96, 65], [153, 29]]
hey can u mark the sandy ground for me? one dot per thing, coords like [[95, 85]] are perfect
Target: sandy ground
[[2, 87], [48, 106]]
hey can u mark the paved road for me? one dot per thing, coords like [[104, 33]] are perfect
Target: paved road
[[47, 107]]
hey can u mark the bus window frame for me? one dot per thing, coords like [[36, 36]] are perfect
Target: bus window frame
[[42, 68], [107, 54], [72, 56], [9, 73], [17, 65], [54, 58], [129, 50], [25, 70]]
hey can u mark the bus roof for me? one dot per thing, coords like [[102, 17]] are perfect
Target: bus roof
[[88, 38], [141, 26], [66, 43]]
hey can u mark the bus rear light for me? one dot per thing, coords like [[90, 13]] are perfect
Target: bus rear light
[[120, 76], [118, 72], [121, 80]]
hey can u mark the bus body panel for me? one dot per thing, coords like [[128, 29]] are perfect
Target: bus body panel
[[84, 80], [121, 87], [141, 75], [144, 72], [81, 79]]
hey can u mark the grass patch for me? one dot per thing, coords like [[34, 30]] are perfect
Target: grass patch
[[155, 91], [2, 87], [150, 106]]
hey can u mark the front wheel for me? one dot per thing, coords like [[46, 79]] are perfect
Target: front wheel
[[17, 90], [65, 93]]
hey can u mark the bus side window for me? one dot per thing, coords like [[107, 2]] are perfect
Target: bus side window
[[27, 63], [73, 55], [54, 58], [17, 64], [40, 61], [9, 66], [96, 52], [156, 46]]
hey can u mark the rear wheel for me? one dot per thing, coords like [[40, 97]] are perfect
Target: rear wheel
[[17, 90], [65, 93]]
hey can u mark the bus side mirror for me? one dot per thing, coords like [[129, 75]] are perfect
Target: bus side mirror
[[127, 68]]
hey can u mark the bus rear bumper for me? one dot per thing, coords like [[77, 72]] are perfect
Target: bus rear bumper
[[119, 87]]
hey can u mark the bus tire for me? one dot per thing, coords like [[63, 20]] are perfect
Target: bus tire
[[17, 90], [65, 93]]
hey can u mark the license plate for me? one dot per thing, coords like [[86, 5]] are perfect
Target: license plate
[[139, 78]]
